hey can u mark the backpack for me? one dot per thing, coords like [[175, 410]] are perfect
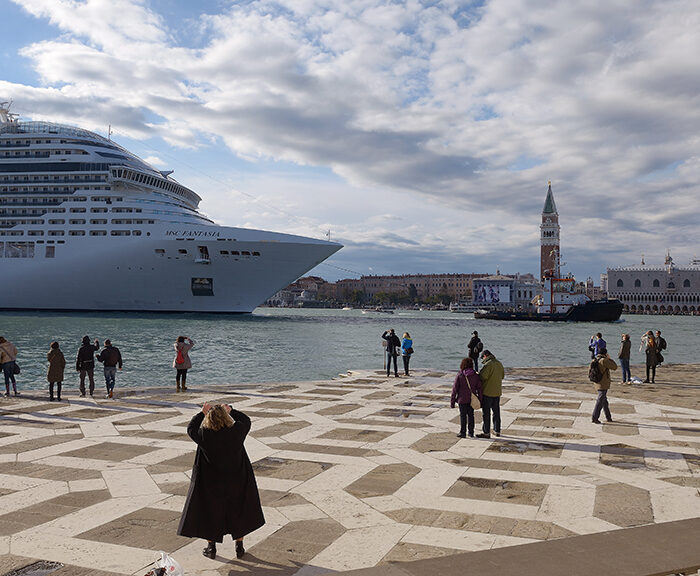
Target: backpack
[[179, 358], [479, 346], [662, 343], [595, 374]]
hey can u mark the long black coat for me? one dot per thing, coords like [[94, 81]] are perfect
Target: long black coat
[[223, 496]]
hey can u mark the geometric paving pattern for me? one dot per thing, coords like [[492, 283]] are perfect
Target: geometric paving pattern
[[354, 472]]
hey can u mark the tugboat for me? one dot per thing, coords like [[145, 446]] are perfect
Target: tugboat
[[560, 302]]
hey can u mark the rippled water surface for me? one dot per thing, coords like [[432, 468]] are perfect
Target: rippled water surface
[[279, 344]]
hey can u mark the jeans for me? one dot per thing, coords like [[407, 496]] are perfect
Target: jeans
[[388, 364], [625, 363], [8, 370], [406, 360], [476, 362], [181, 376], [491, 404], [601, 404], [466, 414], [90, 372], [110, 374]]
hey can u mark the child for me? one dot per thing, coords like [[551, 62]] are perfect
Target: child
[[57, 363]]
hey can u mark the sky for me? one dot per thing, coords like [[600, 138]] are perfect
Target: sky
[[421, 134]]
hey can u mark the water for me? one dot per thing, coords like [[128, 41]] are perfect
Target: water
[[273, 345]]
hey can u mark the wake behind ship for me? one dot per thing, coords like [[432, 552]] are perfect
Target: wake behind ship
[[87, 225]]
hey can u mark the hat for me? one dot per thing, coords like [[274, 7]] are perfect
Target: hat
[[475, 333]]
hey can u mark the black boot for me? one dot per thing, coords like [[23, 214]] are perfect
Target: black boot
[[50, 391], [210, 550], [58, 391], [239, 549]]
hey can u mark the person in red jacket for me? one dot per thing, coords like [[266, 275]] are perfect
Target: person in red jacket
[[466, 383]]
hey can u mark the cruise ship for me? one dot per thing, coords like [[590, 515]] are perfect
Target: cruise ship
[[87, 225]]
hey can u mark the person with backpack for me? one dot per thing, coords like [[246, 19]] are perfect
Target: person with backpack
[[393, 345], [475, 347], [650, 349], [182, 362], [85, 364], [110, 357], [599, 374], [491, 374]]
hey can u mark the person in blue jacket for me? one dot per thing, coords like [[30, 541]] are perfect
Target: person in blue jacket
[[406, 351]]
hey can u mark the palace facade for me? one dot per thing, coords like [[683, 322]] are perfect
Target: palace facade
[[666, 289]]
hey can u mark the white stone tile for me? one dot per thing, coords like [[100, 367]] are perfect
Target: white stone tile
[[86, 463], [676, 503], [83, 553], [298, 512], [503, 541], [346, 509], [566, 502], [98, 429], [336, 477], [97, 515], [54, 450], [18, 500], [274, 516], [13, 482], [386, 503], [4, 458], [4, 545], [169, 477], [446, 538], [590, 525], [173, 503], [404, 437], [374, 542], [86, 485], [279, 484], [135, 482], [383, 459], [158, 456]]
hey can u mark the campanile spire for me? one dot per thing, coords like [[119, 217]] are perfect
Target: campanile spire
[[549, 237]]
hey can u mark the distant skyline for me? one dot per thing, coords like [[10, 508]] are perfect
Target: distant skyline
[[421, 134]]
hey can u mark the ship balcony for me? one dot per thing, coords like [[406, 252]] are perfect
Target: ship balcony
[[202, 260]]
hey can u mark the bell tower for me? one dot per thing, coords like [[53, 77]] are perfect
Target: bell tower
[[549, 237]]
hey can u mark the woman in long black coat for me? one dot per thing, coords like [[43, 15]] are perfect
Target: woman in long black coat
[[223, 496]]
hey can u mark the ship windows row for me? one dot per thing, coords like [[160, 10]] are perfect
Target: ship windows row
[[184, 252], [40, 153], [51, 178]]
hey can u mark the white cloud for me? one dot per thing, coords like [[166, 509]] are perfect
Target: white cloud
[[444, 121]]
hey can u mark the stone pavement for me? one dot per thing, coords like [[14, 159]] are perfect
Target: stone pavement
[[354, 472]]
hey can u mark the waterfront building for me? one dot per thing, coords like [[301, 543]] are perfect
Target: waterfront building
[[549, 236], [667, 289], [506, 291]]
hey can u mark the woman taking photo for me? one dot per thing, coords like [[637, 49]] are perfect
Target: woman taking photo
[[223, 496], [182, 362], [406, 351]]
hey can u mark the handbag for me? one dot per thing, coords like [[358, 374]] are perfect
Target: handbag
[[16, 368], [474, 402], [409, 351], [169, 564]]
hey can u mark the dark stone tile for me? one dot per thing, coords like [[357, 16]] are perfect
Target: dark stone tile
[[356, 434], [338, 409], [436, 442], [148, 528], [277, 499], [36, 443], [623, 505], [406, 552], [323, 449], [36, 470], [111, 451], [279, 429], [181, 463], [498, 490], [383, 480], [289, 469], [529, 448]]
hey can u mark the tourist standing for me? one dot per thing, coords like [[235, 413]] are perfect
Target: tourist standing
[[85, 364], [624, 357], [182, 362], [596, 343], [406, 351], [392, 350], [466, 383], [491, 375], [111, 357], [475, 348], [660, 345], [650, 351], [223, 496], [8, 357], [605, 364], [57, 365]]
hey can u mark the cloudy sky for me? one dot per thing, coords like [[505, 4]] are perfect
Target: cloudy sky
[[422, 134]]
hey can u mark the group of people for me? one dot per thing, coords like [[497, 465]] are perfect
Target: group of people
[[651, 346], [110, 356], [394, 347]]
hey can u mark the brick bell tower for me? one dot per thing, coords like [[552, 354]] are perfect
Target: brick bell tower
[[549, 237]]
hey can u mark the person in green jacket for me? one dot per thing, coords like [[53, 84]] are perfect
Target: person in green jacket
[[491, 375]]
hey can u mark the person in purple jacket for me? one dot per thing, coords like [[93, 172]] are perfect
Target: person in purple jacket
[[466, 383]]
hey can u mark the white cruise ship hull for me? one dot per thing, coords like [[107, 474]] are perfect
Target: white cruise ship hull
[[152, 274]]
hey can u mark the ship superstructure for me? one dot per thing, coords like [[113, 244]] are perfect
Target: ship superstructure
[[87, 225]]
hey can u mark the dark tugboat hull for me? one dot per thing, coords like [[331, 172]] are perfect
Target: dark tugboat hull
[[593, 311]]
